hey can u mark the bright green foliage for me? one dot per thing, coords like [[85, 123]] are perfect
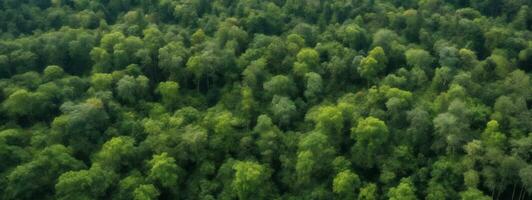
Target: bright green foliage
[[51, 162], [101, 81], [84, 184], [369, 68], [131, 89], [492, 137], [372, 65], [328, 119], [164, 170], [23, 103], [53, 72], [280, 85], [250, 180], [172, 59], [314, 156], [370, 135], [471, 178], [345, 184], [146, 192], [418, 58], [275, 99], [368, 192], [269, 138], [473, 194], [314, 86], [116, 152], [354, 36], [307, 61], [404, 191], [170, 93]]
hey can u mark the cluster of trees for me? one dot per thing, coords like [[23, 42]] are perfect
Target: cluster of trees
[[266, 99]]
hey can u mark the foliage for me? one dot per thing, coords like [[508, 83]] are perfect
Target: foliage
[[272, 99]]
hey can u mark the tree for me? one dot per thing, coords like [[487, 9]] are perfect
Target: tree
[[368, 192], [53, 72], [102, 60], [84, 184], [404, 191], [146, 192], [131, 89], [314, 157], [203, 65], [471, 178], [307, 61], [328, 119], [345, 184], [250, 180], [283, 109], [116, 152], [164, 171], [81, 125], [449, 57], [369, 68], [373, 64], [314, 86], [354, 36], [100, 81], [169, 91], [255, 74], [280, 85], [473, 194], [269, 139], [525, 174], [492, 137], [369, 135], [42, 172], [419, 58], [172, 59], [23, 103]]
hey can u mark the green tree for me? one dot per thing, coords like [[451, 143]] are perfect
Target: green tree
[[84, 184], [172, 59], [250, 180], [164, 170], [116, 152], [22, 103], [419, 58], [372, 65], [404, 191], [314, 86], [42, 172], [146, 192], [169, 91], [53, 72], [345, 184], [307, 60], [354, 36], [81, 125], [473, 194], [368, 192], [283, 110], [131, 89], [280, 85], [100, 81], [370, 135]]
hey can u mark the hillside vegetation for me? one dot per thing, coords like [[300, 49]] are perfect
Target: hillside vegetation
[[265, 99]]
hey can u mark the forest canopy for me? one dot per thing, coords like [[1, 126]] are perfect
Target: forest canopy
[[265, 99]]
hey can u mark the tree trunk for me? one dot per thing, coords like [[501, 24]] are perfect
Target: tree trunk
[[513, 191]]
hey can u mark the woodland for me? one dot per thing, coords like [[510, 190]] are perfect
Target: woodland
[[265, 99]]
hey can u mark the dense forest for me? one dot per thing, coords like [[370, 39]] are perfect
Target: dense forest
[[265, 99]]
